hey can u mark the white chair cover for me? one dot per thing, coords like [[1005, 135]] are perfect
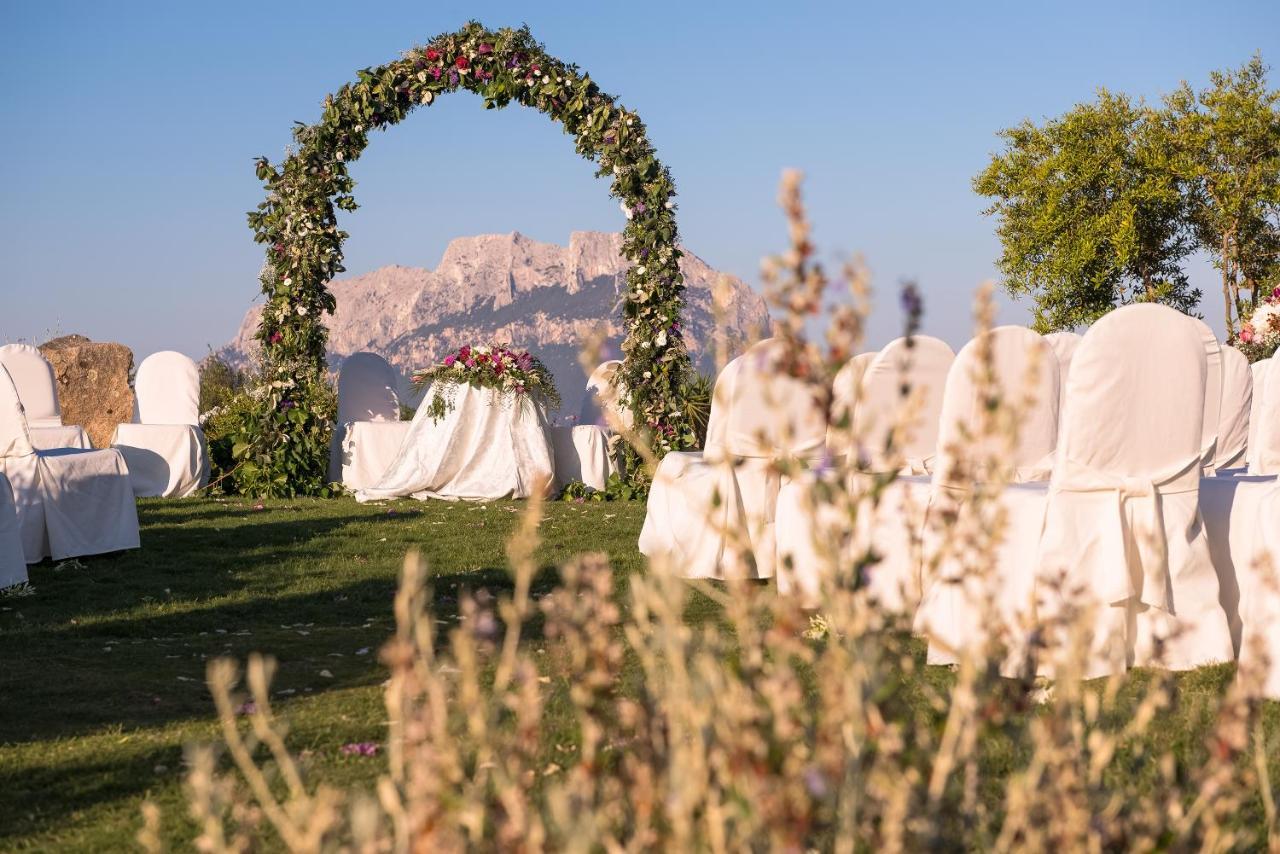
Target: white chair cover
[[37, 387], [1266, 459], [165, 448], [366, 393], [582, 450], [716, 508], [1260, 591], [1233, 418], [1123, 522], [483, 448], [1064, 346], [66, 436], [1257, 372], [1230, 507], [920, 364], [69, 502], [808, 533], [1212, 394], [1024, 370], [13, 562], [591, 412]]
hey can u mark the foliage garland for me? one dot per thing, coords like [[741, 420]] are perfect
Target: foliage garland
[[283, 448]]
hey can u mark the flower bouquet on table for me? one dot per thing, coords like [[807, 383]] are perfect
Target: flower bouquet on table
[[1259, 335], [517, 376]]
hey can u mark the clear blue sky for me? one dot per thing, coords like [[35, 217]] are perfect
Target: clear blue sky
[[128, 131]]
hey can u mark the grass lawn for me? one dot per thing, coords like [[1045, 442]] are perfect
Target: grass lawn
[[103, 669]]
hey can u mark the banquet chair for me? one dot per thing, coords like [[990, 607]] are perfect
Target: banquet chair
[[1212, 395], [70, 502], [1064, 346], [1123, 539], [583, 450], [1258, 371], [980, 451], [369, 432], [13, 563], [1233, 416], [164, 446], [711, 513], [38, 391], [1266, 456], [810, 534], [1260, 648]]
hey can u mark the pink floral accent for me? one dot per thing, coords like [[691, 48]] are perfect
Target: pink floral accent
[[360, 748]]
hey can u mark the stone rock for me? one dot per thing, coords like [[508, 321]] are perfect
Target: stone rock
[[93, 384], [511, 289]]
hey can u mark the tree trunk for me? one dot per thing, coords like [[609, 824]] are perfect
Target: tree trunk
[[1226, 284]]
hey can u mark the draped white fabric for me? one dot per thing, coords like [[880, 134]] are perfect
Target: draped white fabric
[[34, 378], [582, 450], [884, 420], [1064, 346], [69, 502], [66, 436], [1258, 372], [1212, 394], [368, 450], [582, 453], [366, 394], [811, 535], [1260, 595], [165, 448], [1266, 459], [1231, 507], [1233, 417], [1020, 369], [13, 562], [483, 448], [1122, 521], [717, 508]]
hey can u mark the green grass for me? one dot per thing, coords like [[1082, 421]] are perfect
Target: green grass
[[102, 681], [103, 670]]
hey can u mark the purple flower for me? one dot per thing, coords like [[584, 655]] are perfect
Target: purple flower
[[435, 72], [609, 138], [644, 253], [360, 748], [286, 405], [638, 208], [453, 78], [485, 48], [512, 62], [248, 707]]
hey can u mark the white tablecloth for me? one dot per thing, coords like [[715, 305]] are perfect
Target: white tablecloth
[[483, 448], [64, 436]]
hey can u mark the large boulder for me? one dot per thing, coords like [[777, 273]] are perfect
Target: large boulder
[[93, 384]]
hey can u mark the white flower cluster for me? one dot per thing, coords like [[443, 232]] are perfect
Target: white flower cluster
[[1265, 323]]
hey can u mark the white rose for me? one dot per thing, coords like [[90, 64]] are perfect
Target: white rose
[[661, 340], [428, 97], [302, 310], [640, 269]]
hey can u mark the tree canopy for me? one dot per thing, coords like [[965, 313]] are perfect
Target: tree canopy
[[1102, 205]]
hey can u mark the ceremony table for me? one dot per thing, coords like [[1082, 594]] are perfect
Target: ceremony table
[[486, 446]]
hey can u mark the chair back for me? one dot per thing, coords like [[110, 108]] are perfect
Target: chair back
[[592, 412], [1233, 417], [33, 377], [844, 400], [1258, 372], [167, 389], [1212, 394], [1268, 435], [367, 389], [919, 365], [758, 411], [1064, 346], [15, 440], [1022, 367]]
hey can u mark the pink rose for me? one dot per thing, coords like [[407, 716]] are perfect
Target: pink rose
[[1246, 333], [449, 360]]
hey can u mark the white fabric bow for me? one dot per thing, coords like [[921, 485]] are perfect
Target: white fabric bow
[[1153, 585]]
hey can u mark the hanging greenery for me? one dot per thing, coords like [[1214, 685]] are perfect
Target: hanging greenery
[[283, 448]]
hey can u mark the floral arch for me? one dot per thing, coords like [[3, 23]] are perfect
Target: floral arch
[[283, 446]]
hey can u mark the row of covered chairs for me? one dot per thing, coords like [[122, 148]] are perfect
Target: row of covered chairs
[[370, 433], [1106, 441]]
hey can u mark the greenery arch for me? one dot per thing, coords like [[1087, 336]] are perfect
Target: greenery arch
[[282, 447]]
